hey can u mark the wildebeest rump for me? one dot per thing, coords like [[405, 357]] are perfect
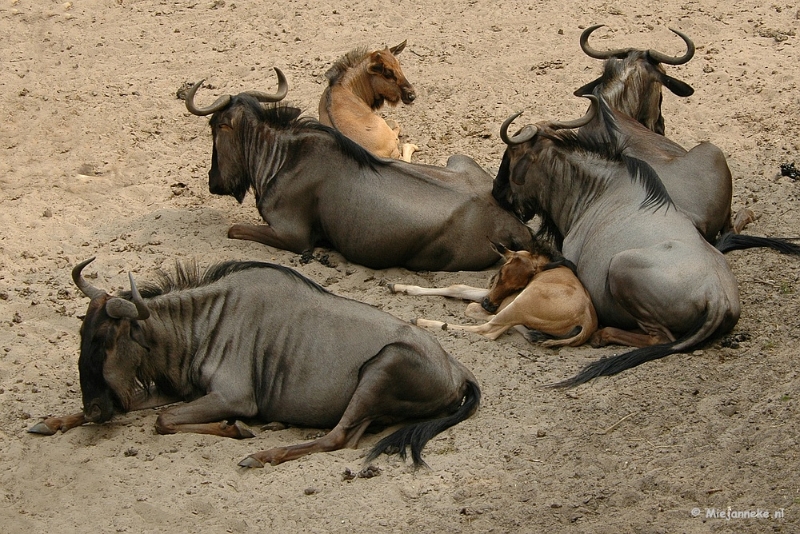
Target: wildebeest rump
[[359, 83], [643, 262], [256, 340], [314, 185], [539, 294], [699, 180]]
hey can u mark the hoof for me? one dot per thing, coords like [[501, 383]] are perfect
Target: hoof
[[243, 430], [42, 428], [391, 287], [250, 462], [414, 321]]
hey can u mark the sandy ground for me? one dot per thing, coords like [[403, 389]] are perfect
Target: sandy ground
[[100, 158]]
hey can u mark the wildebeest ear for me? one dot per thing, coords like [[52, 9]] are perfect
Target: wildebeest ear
[[676, 86], [588, 88], [137, 335], [397, 49], [520, 171]]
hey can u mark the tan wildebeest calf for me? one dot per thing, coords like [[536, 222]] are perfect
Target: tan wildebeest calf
[[359, 83], [530, 290]]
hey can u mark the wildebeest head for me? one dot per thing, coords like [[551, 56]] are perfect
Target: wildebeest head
[[112, 345], [632, 79], [528, 152], [516, 273], [227, 175], [388, 81]]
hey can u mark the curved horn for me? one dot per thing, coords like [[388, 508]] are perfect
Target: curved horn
[[134, 309], [517, 139], [597, 54], [85, 287], [138, 301], [220, 103], [657, 56], [283, 89], [577, 123]]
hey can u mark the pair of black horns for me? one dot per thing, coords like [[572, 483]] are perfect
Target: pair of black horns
[[655, 55], [118, 308], [223, 101], [530, 131]]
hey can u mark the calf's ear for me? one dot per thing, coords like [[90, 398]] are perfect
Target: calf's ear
[[398, 48]]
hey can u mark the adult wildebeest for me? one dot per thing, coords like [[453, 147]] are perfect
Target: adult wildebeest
[[538, 292], [632, 79], [253, 339], [654, 281], [312, 184], [359, 83], [698, 181]]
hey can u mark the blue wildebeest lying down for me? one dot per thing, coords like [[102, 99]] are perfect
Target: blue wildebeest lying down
[[699, 180], [314, 185], [358, 85], [654, 281], [256, 340]]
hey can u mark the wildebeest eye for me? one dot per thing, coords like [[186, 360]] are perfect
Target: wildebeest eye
[[388, 74]]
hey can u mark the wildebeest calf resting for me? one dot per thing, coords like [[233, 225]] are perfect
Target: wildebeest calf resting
[[256, 340]]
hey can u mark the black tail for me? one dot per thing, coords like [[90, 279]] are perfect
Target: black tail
[[616, 364], [731, 241], [418, 434]]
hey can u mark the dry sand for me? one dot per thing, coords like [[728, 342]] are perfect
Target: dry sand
[[100, 158]]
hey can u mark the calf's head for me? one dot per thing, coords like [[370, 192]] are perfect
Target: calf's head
[[387, 80], [516, 273], [112, 346]]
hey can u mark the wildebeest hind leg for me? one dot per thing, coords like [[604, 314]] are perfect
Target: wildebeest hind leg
[[371, 392], [617, 336], [338, 438], [266, 234]]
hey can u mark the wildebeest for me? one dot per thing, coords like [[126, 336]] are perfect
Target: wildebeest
[[256, 340], [698, 181], [632, 79], [314, 185], [359, 83], [538, 292], [654, 281]]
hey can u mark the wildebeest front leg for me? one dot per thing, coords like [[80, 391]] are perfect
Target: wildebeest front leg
[[267, 235], [51, 425], [205, 415], [144, 399]]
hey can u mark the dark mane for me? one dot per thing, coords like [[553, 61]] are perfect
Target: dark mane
[[188, 276], [344, 63], [610, 145], [283, 117]]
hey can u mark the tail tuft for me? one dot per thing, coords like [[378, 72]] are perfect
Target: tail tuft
[[416, 435]]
